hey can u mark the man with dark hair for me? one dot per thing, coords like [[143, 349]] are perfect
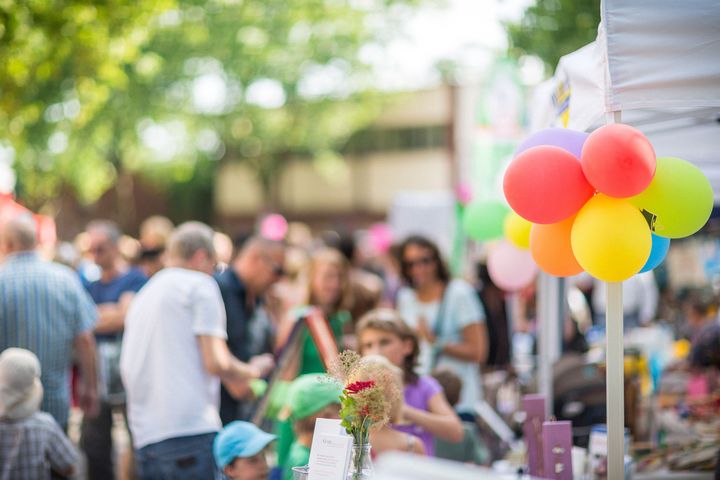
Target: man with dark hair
[[256, 265], [493, 299], [112, 294], [45, 309]]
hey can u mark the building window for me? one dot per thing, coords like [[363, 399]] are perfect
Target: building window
[[397, 139]]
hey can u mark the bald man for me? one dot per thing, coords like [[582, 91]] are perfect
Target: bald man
[[256, 266], [45, 309]]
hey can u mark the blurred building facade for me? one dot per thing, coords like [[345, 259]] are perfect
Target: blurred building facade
[[408, 148]]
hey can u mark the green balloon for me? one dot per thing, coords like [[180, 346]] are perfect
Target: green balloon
[[679, 199], [484, 220]]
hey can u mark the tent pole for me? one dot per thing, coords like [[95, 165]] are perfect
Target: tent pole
[[614, 362], [549, 315]]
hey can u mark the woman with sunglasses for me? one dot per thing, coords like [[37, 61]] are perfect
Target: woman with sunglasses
[[447, 315]]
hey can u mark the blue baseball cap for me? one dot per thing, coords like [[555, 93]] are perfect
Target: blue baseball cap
[[239, 439]]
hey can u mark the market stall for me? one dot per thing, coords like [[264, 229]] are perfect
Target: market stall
[[656, 67]]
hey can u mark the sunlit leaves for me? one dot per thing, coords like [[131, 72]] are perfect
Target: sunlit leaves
[[89, 90], [60, 64], [553, 28]]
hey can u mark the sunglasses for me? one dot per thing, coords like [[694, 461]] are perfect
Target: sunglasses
[[420, 261], [98, 249], [277, 269]]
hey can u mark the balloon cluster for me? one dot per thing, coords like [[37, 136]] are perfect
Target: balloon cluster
[[601, 202]]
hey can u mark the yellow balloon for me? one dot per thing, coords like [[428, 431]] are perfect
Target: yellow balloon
[[610, 238], [517, 230]]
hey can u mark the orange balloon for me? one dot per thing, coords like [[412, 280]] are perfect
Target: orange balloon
[[550, 248]]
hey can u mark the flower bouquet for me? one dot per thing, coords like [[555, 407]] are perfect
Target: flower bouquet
[[366, 400]]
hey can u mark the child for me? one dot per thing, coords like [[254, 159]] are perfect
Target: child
[[471, 449], [31, 442], [310, 397], [386, 438], [240, 449], [426, 413]]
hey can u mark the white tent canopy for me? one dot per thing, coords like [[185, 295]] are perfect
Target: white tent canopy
[[665, 81], [660, 53]]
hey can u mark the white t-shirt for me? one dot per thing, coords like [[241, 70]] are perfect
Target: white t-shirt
[[169, 392], [462, 307]]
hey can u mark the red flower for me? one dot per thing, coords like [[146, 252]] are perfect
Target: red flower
[[358, 387]]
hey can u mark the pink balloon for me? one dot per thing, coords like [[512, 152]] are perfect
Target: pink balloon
[[274, 227], [510, 268], [380, 237], [463, 192]]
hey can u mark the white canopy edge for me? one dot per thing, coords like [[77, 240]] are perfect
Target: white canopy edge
[[660, 53], [574, 98]]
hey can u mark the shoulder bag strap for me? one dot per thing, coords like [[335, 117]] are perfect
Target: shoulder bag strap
[[438, 327]]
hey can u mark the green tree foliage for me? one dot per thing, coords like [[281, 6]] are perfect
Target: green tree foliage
[[92, 92], [553, 28], [60, 64]]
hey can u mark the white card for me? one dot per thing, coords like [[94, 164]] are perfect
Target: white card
[[330, 451], [329, 426]]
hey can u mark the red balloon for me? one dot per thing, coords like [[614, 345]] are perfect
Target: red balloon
[[618, 160], [545, 184]]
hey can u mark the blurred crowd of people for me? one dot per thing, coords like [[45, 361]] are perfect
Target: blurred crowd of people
[[177, 331]]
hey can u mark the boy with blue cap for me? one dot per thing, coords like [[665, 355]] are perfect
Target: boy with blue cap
[[239, 451]]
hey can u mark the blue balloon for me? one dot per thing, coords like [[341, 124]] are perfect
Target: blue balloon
[[660, 247], [570, 140]]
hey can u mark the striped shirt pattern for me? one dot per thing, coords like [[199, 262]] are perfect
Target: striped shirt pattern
[[43, 306], [30, 447]]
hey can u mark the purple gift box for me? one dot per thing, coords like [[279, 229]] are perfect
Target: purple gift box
[[534, 407], [557, 450]]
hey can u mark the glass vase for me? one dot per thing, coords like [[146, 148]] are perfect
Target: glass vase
[[361, 465], [301, 473]]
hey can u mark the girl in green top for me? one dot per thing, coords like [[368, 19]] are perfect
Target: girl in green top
[[328, 290]]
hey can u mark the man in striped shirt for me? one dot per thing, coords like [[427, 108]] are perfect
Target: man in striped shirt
[[45, 309]]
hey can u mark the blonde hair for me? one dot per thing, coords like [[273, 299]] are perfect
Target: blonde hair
[[155, 231], [331, 256], [393, 377]]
